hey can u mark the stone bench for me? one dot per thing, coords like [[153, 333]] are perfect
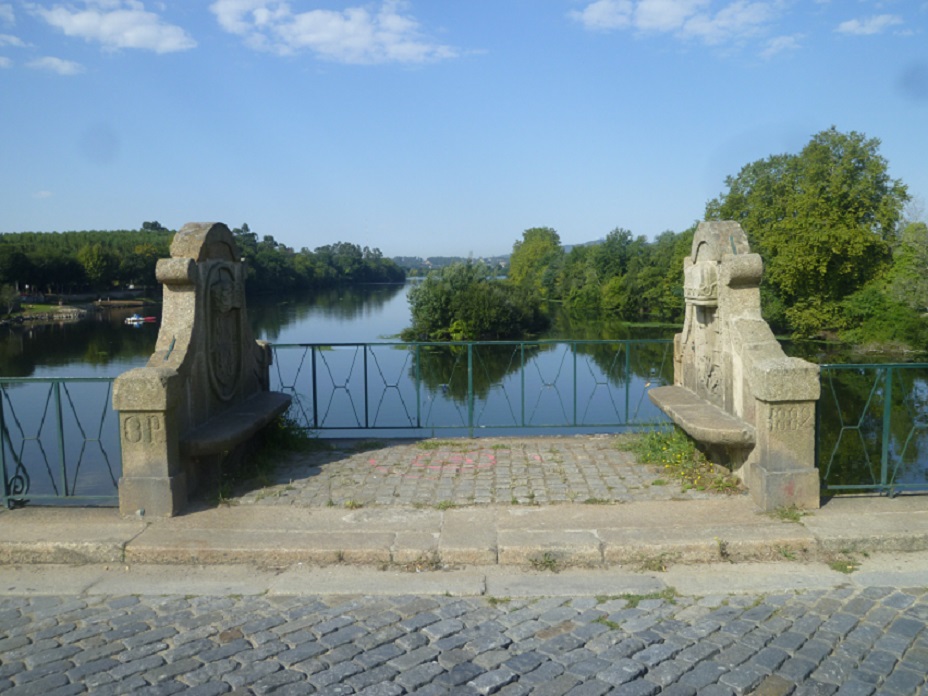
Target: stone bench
[[236, 426], [749, 406], [204, 393], [703, 421]]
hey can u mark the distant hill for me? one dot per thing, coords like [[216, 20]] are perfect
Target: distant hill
[[428, 263]]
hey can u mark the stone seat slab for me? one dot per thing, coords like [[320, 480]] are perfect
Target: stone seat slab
[[237, 425], [703, 421]]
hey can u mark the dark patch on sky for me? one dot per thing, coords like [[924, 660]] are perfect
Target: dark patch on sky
[[914, 82], [100, 144]]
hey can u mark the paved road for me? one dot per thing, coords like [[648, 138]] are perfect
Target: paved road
[[482, 471], [845, 641]]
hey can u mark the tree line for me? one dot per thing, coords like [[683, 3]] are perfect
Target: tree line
[[841, 259], [62, 263]]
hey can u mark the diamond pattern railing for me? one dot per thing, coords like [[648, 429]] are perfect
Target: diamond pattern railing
[[59, 441], [872, 428], [570, 386]]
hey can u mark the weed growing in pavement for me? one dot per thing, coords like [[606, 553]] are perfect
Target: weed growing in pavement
[[547, 561], [788, 514], [496, 601], [655, 564], [668, 595], [607, 623], [445, 505], [438, 444], [281, 437], [677, 454], [366, 446]]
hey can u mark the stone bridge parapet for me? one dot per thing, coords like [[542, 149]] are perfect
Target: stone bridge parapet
[[204, 392], [750, 406]]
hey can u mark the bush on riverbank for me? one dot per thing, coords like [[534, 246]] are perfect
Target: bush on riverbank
[[464, 302]]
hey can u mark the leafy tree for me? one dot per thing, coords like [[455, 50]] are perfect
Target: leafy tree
[[8, 298], [465, 302], [823, 220], [99, 264], [534, 262], [908, 279]]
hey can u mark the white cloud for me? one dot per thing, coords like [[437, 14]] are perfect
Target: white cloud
[[42, 194], [118, 24], [354, 35], [6, 13], [781, 44], [9, 40], [5, 62], [57, 65], [604, 15], [665, 15], [692, 19], [737, 20], [871, 25]]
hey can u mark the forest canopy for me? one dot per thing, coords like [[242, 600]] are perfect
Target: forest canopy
[[100, 261]]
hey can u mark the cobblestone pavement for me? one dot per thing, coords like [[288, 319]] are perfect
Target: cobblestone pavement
[[467, 472], [841, 641]]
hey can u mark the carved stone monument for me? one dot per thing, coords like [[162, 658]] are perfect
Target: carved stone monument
[[735, 391], [204, 391]]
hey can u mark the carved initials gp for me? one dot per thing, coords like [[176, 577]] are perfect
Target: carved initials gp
[[144, 429]]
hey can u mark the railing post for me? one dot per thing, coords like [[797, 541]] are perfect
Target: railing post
[[312, 350], [470, 388], [366, 410], [573, 352], [628, 379], [418, 387], [887, 421], [56, 389], [522, 377], [3, 440]]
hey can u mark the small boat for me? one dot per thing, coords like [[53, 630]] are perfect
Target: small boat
[[137, 319]]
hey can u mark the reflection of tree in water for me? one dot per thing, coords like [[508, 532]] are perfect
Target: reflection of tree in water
[[98, 341], [347, 302], [850, 426], [444, 367]]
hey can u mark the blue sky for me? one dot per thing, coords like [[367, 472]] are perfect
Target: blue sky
[[430, 127]]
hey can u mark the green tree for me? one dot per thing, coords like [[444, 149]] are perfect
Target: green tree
[[908, 279], [464, 302], [823, 220], [8, 298], [99, 264], [535, 260]]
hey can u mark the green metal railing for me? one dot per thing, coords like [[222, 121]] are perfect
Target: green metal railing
[[872, 428], [59, 441], [474, 386]]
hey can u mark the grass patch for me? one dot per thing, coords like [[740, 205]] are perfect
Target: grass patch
[[655, 564], [366, 446], [677, 454], [547, 561], [353, 505], [788, 514], [445, 505], [668, 595], [596, 501], [496, 601], [282, 437], [434, 444]]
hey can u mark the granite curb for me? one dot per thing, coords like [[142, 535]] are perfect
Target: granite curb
[[645, 535]]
